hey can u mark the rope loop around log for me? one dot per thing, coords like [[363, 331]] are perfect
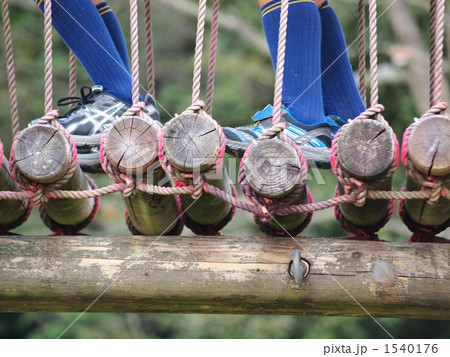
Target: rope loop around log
[[268, 207], [434, 184], [361, 188], [136, 110], [40, 190], [196, 179], [352, 184], [114, 174]]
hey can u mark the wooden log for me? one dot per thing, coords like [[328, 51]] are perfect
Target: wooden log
[[429, 145], [131, 146], [429, 152], [365, 151], [240, 275], [42, 154], [273, 169], [12, 212], [191, 143]]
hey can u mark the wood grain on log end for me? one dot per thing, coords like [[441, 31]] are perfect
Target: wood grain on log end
[[131, 145], [429, 145], [42, 153], [366, 149], [190, 142], [273, 168]]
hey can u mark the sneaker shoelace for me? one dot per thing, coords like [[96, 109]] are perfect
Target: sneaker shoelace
[[86, 97]]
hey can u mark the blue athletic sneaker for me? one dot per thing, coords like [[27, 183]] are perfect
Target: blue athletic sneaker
[[314, 140]]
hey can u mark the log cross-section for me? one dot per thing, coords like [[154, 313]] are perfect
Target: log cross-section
[[243, 275]]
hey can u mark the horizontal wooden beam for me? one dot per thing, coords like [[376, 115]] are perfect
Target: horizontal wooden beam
[[239, 275]]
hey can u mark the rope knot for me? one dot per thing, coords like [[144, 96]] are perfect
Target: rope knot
[[49, 118], [371, 113], [39, 195], [194, 182], [361, 196], [436, 109], [136, 109], [130, 185], [438, 189], [198, 182], [353, 186], [195, 107], [274, 131]]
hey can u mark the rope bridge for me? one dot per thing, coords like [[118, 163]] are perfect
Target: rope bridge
[[389, 268], [356, 191]]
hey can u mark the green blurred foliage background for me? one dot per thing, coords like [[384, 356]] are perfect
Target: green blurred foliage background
[[244, 84]]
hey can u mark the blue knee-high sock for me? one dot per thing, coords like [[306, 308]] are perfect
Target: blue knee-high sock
[[302, 88], [340, 93], [83, 30], [115, 30]]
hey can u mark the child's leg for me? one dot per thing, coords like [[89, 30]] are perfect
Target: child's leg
[[83, 30], [340, 93], [302, 92], [114, 29]]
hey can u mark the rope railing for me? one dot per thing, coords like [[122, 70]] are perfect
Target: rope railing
[[427, 193]]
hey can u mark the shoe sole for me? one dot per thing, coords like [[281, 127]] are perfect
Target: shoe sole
[[83, 141], [90, 163]]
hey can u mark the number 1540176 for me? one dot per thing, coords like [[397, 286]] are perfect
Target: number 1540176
[[411, 348]]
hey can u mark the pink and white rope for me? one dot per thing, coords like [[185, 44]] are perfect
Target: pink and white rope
[[10, 69], [134, 26], [373, 52], [199, 51], [48, 50], [151, 87], [72, 77], [362, 50], [277, 100], [212, 57], [437, 14]]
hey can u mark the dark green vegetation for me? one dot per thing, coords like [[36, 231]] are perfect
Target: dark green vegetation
[[244, 85]]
